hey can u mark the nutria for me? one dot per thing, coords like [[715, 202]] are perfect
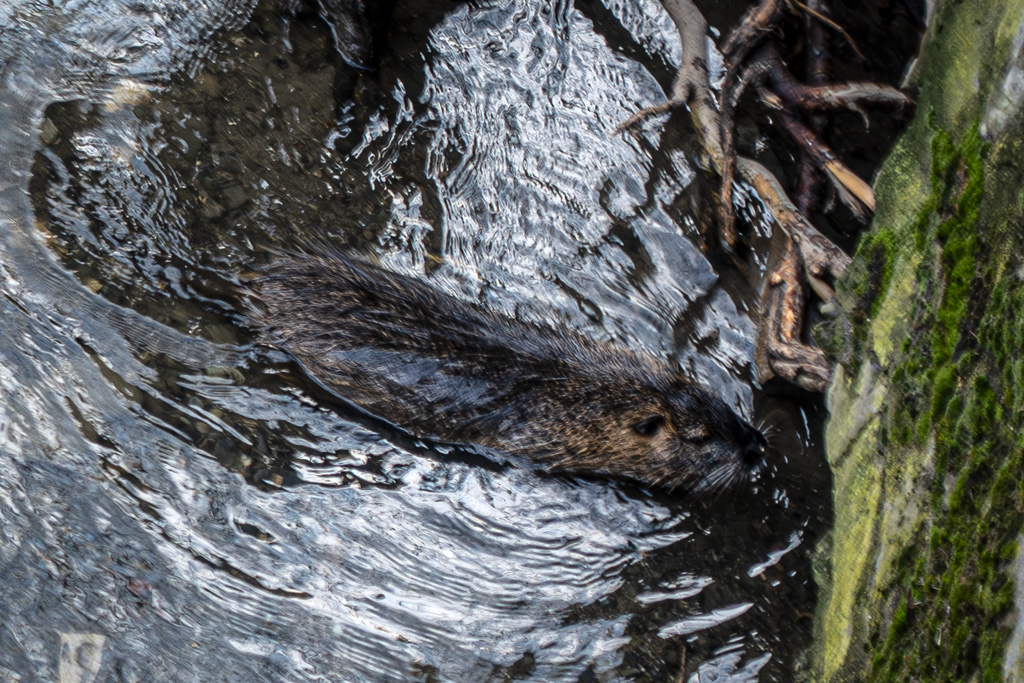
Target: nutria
[[439, 366]]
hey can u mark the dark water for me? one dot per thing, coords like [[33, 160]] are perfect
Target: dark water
[[179, 503]]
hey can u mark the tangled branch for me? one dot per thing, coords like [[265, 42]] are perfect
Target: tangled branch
[[810, 256]]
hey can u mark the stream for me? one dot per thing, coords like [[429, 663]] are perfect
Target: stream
[[179, 502]]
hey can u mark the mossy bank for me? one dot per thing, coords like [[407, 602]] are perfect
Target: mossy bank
[[925, 436]]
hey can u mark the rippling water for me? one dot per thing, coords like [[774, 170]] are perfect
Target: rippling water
[[180, 503]]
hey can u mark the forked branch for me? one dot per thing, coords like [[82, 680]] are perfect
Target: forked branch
[[809, 254]]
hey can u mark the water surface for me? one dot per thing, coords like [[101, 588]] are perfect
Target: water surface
[[181, 503]]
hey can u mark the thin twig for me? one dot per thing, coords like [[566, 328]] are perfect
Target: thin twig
[[854, 192], [644, 114], [751, 73], [681, 676], [808, 179], [826, 97], [825, 20]]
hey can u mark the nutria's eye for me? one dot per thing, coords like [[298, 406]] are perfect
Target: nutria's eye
[[650, 425], [696, 433]]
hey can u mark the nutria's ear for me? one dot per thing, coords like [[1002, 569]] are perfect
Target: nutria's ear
[[650, 425]]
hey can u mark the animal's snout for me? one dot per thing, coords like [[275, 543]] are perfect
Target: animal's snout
[[755, 451]]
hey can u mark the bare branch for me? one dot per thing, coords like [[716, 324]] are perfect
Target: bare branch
[[825, 20], [826, 97], [819, 255], [815, 248], [751, 73], [818, 63], [780, 351], [853, 191], [809, 253], [692, 86], [758, 21], [644, 114]]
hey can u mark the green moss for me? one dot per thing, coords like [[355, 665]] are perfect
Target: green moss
[[879, 251], [975, 522], [943, 603], [943, 388], [958, 234]]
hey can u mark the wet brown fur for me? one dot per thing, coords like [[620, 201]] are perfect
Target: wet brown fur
[[439, 366]]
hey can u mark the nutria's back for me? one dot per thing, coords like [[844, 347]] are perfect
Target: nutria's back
[[442, 367]]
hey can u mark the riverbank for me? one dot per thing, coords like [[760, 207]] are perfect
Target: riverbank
[[924, 438]]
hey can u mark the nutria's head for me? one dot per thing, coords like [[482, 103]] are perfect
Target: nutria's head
[[703, 444], [669, 433]]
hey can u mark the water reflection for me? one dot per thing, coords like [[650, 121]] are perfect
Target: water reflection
[[188, 503]]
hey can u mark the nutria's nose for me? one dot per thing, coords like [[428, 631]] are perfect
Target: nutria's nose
[[755, 451]]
